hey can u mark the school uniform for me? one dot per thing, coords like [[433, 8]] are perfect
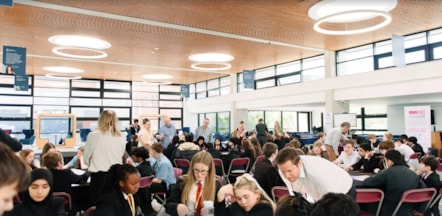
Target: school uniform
[[367, 164], [260, 209], [267, 176], [115, 203], [433, 181], [144, 169]]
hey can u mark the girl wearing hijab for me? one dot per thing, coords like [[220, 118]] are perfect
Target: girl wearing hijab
[[37, 200]]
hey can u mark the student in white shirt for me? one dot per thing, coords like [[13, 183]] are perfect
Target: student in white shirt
[[349, 156]]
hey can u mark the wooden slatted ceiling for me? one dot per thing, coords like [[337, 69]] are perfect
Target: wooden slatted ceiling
[[131, 53]]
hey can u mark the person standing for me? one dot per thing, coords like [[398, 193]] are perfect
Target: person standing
[[310, 175], [204, 131], [104, 147], [135, 128], [335, 138], [262, 131], [145, 136], [167, 131]]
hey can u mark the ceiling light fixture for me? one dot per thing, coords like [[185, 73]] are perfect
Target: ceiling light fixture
[[63, 69], [79, 41], [58, 50], [344, 12], [156, 83], [157, 76], [197, 66], [62, 77], [211, 57]]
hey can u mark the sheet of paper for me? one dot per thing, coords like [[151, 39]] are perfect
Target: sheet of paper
[[78, 171], [360, 177]]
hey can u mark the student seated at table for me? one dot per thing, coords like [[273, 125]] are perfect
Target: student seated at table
[[37, 200], [255, 143], [28, 157], [121, 196], [248, 151], [394, 181], [427, 171], [384, 146], [189, 194], [368, 161], [217, 145], [139, 155], [265, 173], [293, 205], [14, 177], [48, 147], [215, 153], [246, 198], [63, 178], [349, 156], [319, 149], [188, 149], [77, 161], [333, 204], [163, 170]]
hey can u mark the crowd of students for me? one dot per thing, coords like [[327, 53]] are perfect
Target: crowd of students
[[318, 181]]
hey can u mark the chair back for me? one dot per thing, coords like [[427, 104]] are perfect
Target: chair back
[[259, 158], [90, 211], [238, 166], [370, 195], [436, 199], [220, 179], [416, 196], [178, 172], [279, 191], [28, 133], [146, 181], [67, 199], [415, 155], [181, 162]]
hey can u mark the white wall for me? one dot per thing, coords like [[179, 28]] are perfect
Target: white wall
[[417, 79]]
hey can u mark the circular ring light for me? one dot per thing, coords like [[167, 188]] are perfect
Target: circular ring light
[[384, 23], [198, 67], [63, 69], [62, 77], [157, 76], [329, 7], [211, 57], [58, 51], [79, 41]]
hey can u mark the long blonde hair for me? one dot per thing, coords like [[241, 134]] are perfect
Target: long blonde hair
[[246, 181], [109, 121], [209, 183]]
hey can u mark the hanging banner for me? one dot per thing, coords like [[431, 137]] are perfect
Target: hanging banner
[[418, 124], [185, 90], [14, 60], [21, 82], [6, 3], [248, 79], [398, 44]]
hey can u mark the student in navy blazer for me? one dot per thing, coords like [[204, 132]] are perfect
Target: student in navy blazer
[[427, 170]]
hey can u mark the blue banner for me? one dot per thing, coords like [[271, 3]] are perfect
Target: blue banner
[[14, 60], [21, 82], [185, 90], [248, 79], [6, 3]]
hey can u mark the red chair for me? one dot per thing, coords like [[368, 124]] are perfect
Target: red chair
[[146, 180], [259, 158], [279, 191], [183, 164], [416, 196], [436, 199], [415, 155], [178, 172], [90, 211], [220, 179], [219, 165], [234, 164], [369, 195], [67, 199]]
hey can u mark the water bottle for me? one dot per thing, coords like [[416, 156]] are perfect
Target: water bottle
[[208, 207]]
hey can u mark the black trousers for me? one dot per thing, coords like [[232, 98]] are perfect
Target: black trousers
[[98, 180]]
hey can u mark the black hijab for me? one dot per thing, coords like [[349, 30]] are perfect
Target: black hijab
[[38, 208]]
